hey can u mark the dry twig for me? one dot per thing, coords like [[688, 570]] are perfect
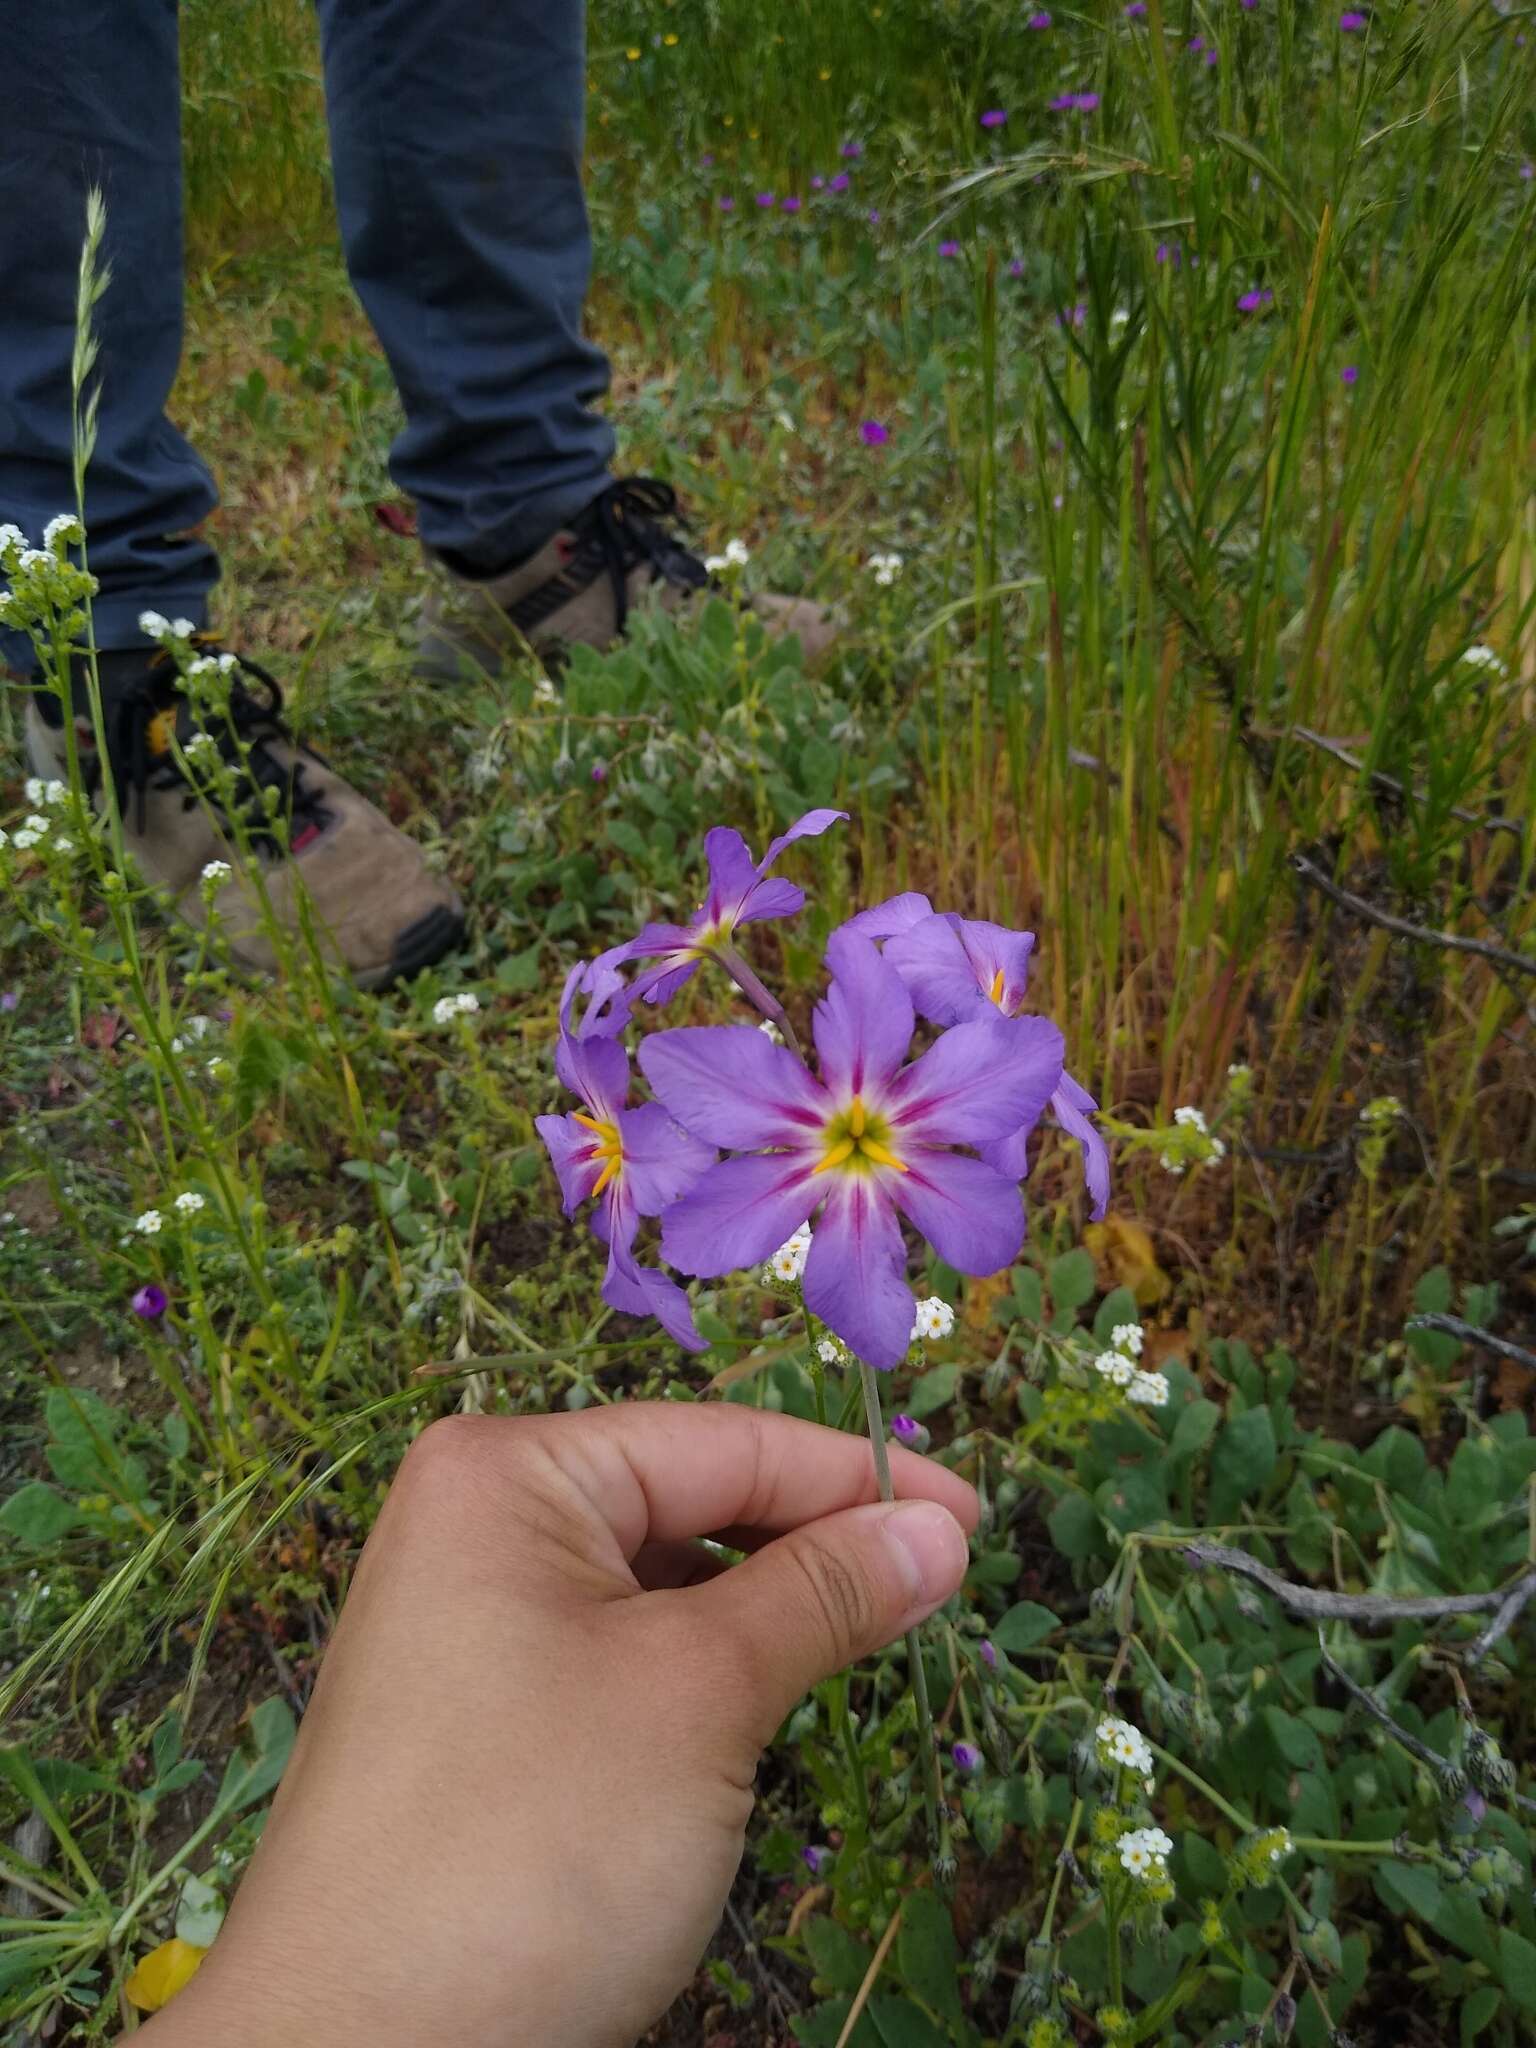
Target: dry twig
[[1368, 913], [1469, 1333], [1368, 1609]]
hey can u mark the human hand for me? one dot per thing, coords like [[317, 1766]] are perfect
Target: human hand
[[519, 1796]]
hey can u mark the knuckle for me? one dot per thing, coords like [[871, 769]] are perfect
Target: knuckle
[[448, 1450], [838, 1595]]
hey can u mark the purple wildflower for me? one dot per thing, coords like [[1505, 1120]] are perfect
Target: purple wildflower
[[841, 183], [909, 1431], [599, 771], [1353, 20], [707, 160], [1195, 45], [765, 199], [1169, 252], [994, 117], [9, 1000], [1475, 1806], [874, 216], [740, 892], [817, 182], [1528, 171], [988, 1652], [1212, 55], [1063, 103], [634, 1162], [1254, 301], [1070, 316], [874, 433], [815, 1858], [791, 204], [851, 150], [1085, 102], [966, 1758], [1039, 20], [1016, 266], [949, 248], [1135, 10], [1350, 374], [865, 1144], [726, 203], [957, 969], [150, 1302]]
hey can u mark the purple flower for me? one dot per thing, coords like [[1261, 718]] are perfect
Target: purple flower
[[726, 203], [966, 1759], [1195, 45], [988, 1653], [1350, 374], [874, 216], [1528, 171], [740, 892], [841, 183], [634, 1162], [874, 433], [1252, 302], [851, 149], [791, 204], [765, 199], [994, 117], [957, 969], [817, 182], [1086, 102], [1074, 103], [9, 1000], [1135, 9], [1475, 1806], [1040, 20], [1071, 316], [1016, 267], [865, 1144], [815, 1858], [150, 1302], [1352, 19], [1212, 55], [949, 248], [599, 771], [1169, 252], [707, 160], [909, 1431]]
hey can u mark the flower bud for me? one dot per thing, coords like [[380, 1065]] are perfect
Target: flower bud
[[909, 1432], [966, 1758]]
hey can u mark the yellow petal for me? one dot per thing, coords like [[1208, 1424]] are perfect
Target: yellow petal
[[162, 1973]]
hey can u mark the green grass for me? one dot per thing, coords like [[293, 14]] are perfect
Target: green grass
[[1180, 605]]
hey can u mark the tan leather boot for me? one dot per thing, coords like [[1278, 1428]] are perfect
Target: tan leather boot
[[182, 775], [581, 585]]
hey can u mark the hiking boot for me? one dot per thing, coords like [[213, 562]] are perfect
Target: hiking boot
[[376, 907], [581, 585]]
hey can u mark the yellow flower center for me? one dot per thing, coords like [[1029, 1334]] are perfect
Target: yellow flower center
[[609, 1148], [996, 990], [856, 1141]]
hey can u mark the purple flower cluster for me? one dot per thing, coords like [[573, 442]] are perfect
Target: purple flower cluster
[[1074, 103], [1255, 301], [865, 1141]]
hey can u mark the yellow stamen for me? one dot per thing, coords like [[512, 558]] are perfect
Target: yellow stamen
[[843, 1149], [609, 1172], [996, 990], [882, 1155], [856, 1116], [591, 1122]]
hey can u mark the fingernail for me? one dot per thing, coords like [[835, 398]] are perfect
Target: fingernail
[[930, 1550]]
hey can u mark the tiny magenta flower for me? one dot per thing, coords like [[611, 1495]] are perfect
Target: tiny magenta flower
[[791, 203], [851, 150], [1253, 301], [909, 1431], [765, 199], [1350, 374], [1039, 20], [874, 433], [726, 203], [966, 1758], [988, 1653], [840, 183], [1016, 267], [1195, 45], [815, 1858], [817, 182], [1136, 9], [150, 1303], [9, 1001], [994, 117], [949, 248], [599, 771], [1352, 20], [873, 216]]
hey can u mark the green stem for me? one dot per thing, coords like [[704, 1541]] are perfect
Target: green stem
[[1073, 1824], [1237, 1819], [757, 995]]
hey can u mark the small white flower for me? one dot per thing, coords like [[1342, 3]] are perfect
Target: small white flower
[[1121, 1743], [219, 1069], [737, 553], [1128, 1337], [1144, 1852], [1150, 1389], [24, 839], [544, 692], [1482, 656], [714, 564], [935, 1320], [830, 1352], [1192, 1117], [771, 1031], [154, 625], [12, 536], [63, 844], [189, 1203], [1170, 1163], [183, 629], [1218, 1148], [788, 1262], [32, 788], [1280, 1845], [214, 871], [194, 748], [36, 824], [1115, 1367], [446, 1008], [885, 568], [149, 1224], [5, 837], [63, 526], [35, 558]]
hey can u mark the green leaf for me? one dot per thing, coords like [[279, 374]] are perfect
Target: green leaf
[[36, 1515], [629, 839], [1478, 2010], [1075, 1528], [519, 973], [1193, 1430], [1204, 1862], [1028, 1295], [1407, 1886], [1296, 1742], [1242, 1461], [995, 1568], [900, 2025], [928, 1956], [253, 1771], [1118, 1306], [934, 1390], [178, 1438], [1071, 1279], [1023, 1626], [77, 1416], [837, 1958], [1517, 1968], [200, 1913], [822, 2026]]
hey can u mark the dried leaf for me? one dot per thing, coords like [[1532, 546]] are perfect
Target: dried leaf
[[1122, 1251], [166, 1970]]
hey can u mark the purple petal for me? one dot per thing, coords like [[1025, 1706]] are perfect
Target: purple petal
[[994, 949], [772, 898], [740, 1213], [1009, 1156], [863, 1025], [615, 1220], [659, 984], [727, 1084], [661, 1160], [931, 958], [1072, 1106], [811, 826], [596, 1069], [607, 1010], [980, 1081], [968, 1212], [733, 874], [571, 1148], [855, 1274], [884, 920], [638, 1290]]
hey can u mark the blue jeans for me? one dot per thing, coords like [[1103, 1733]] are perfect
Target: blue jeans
[[456, 133]]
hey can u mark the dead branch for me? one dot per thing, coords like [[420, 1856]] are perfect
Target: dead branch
[[1469, 1333], [1411, 1743], [1369, 1609], [1384, 920]]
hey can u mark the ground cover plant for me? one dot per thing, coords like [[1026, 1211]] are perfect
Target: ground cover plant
[[1152, 391]]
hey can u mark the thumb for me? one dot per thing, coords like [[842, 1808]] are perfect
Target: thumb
[[833, 1591]]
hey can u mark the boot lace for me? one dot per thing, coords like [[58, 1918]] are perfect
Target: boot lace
[[617, 533]]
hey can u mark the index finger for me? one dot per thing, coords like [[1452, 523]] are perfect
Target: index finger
[[660, 1471]]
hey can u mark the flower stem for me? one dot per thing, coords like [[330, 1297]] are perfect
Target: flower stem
[[757, 995], [933, 1790]]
